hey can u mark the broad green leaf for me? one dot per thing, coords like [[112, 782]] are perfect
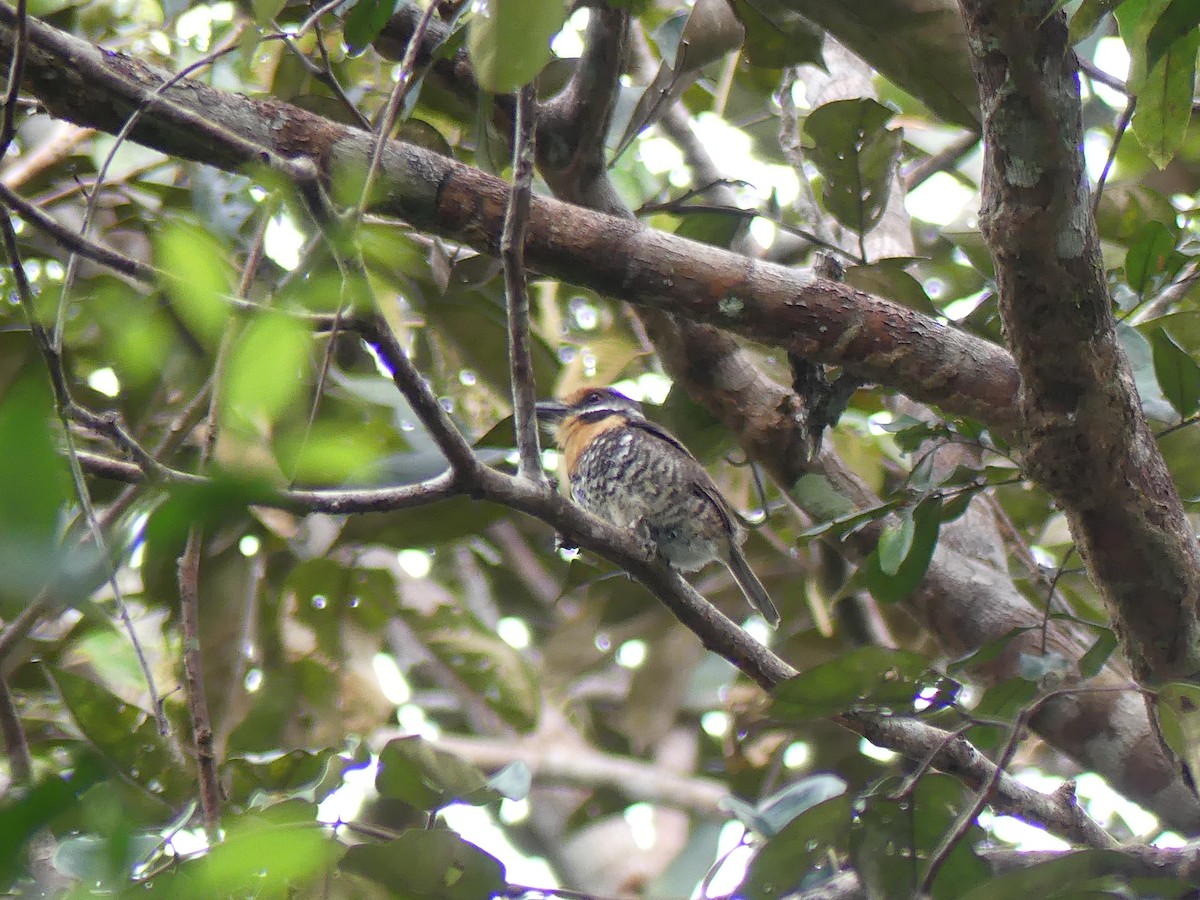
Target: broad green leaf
[[491, 667], [856, 154], [103, 858], [432, 863], [776, 811], [270, 852], [1083, 873], [1179, 20], [34, 488], [896, 542], [869, 677], [890, 587], [509, 40], [1098, 654], [808, 839], [296, 772], [265, 11], [266, 369], [1164, 90], [25, 813], [364, 21], [426, 778], [197, 277], [1177, 373], [776, 36], [1178, 707], [985, 653], [331, 596], [474, 322], [720, 229], [126, 736], [889, 279], [894, 837], [1149, 255], [920, 47], [1140, 353], [1000, 703], [711, 31]]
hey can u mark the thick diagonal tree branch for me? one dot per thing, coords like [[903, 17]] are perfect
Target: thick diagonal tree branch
[[1085, 438], [815, 317]]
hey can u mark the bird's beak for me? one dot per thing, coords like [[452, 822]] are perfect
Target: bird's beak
[[550, 412]]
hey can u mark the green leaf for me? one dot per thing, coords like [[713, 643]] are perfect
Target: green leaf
[[778, 868], [431, 863], [1175, 24], [1177, 373], [869, 677], [1087, 17], [126, 736], [894, 837], [849, 143], [890, 587], [896, 542], [773, 813], [294, 772], [509, 41], [24, 813], [474, 321], [265, 11], [34, 487], [1098, 654], [1079, 874], [889, 279], [266, 369], [197, 277], [1148, 255], [426, 778], [777, 36], [265, 853], [364, 21], [1164, 89], [330, 597], [1178, 707]]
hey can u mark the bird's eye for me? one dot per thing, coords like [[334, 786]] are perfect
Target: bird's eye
[[593, 397]]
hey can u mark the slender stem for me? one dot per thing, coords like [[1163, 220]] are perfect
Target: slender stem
[[193, 673], [512, 254], [404, 84], [16, 70], [19, 761]]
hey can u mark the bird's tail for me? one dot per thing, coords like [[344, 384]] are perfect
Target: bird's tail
[[751, 586]]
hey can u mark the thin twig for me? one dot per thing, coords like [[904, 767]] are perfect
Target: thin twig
[[193, 672], [516, 287], [73, 241], [20, 763], [445, 434], [16, 69], [1122, 125], [404, 84], [944, 159]]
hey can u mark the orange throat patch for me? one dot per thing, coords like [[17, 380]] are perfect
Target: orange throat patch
[[576, 434]]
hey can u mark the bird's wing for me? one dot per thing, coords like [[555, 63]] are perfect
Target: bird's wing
[[705, 488]]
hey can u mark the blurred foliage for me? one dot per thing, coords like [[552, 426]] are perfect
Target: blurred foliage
[[338, 651]]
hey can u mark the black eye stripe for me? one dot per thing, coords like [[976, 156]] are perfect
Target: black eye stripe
[[595, 415]]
